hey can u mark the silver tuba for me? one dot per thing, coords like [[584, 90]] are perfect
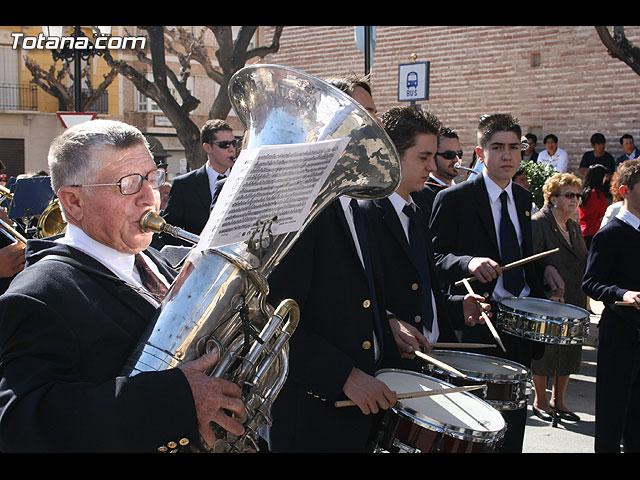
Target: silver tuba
[[219, 297]]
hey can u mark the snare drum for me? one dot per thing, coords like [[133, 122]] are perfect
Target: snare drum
[[450, 423], [508, 383], [543, 320]]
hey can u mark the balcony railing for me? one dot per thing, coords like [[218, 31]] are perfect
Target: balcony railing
[[18, 97]]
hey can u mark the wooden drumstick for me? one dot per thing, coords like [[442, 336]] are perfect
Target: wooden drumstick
[[422, 393], [485, 317], [438, 363], [518, 263], [461, 345]]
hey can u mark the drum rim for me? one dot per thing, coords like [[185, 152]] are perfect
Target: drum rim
[[443, 427], [584, 319], [525, 374]]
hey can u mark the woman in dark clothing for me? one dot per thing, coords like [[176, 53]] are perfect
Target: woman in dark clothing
[[554, 228]]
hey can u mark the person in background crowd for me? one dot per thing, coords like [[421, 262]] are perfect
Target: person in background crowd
[[529, 154], [553, 227], [553, 155], [629, 149], [597, 156], [594, 202], [616, 198]]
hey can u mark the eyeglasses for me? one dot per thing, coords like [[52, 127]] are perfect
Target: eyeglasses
[[132, 184], [569, 195], [225, 144], [450, 154]]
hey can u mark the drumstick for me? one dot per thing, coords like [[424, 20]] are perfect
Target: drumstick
[[518, 263], [623, 303], [485, 317], [438, 363], [422, 393], [461, 345]]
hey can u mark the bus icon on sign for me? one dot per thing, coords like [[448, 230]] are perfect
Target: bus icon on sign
[[412, 80]]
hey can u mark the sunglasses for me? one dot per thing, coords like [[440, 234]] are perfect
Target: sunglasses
[[569, 195], [225, 144], [450, 154], [132, 184]]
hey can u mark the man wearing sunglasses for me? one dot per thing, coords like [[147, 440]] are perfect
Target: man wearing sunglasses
[[449, 154], [193, 194], [71, 319]]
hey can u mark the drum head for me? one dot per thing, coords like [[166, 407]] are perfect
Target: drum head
[[477, 365], [459, 414]]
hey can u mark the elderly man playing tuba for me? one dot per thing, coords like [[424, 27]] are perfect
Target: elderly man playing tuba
[[70, 320]]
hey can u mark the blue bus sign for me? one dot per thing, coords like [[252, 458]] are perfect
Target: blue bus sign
[[413, 82]]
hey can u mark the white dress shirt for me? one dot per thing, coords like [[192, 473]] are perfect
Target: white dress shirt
[[560, 159], [494, 192], [213, 177], [628, 217], [120, 264]]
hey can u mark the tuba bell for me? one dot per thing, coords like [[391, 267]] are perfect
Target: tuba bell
[[219, 296]]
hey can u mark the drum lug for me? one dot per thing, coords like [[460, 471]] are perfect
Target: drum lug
[[404, 448]]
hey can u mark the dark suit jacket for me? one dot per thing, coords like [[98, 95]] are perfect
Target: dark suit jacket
[[612, 269], [401, 274], [65, 335], [323, 273], [462, 227], [188, 206], [425, 197]]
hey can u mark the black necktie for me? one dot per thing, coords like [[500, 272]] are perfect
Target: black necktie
[[358, 222], [513, 279], [418, 250], [149, 279]]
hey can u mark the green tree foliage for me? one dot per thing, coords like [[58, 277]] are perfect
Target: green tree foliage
[[537, 174]]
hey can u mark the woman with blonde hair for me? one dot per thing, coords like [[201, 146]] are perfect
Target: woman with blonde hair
[[553, 227]]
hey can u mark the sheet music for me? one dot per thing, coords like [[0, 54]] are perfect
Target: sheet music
[[272, 182]]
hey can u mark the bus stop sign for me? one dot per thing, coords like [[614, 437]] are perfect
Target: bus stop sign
[[413, 82]]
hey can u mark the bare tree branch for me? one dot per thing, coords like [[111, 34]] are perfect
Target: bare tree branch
[[620, 47]]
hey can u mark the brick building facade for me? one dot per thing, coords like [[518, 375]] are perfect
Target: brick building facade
[[555, 79]]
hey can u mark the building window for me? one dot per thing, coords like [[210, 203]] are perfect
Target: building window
[[146, 104], [535, 60]]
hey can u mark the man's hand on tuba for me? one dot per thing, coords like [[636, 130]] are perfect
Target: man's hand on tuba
[[212, 397]]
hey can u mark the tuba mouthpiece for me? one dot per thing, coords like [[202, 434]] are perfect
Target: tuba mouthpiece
[[152, 222]]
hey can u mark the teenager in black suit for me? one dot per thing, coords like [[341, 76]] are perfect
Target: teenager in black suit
[[72, 317], [413, 292], [192, 195], [466, 226], [343, 337], [612, 276]]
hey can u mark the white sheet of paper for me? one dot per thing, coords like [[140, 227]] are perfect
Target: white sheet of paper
[[278, 182]]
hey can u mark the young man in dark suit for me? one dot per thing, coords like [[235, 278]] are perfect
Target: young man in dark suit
[[413, 292], [72, 318], [192, 195], [483, 223], [612, 276], [344, 335]]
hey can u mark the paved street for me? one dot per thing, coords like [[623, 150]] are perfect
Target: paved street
[[570, 437]]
